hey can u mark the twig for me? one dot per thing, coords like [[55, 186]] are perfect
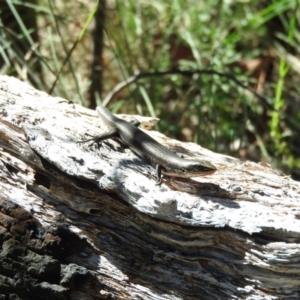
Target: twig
[[119, 87]]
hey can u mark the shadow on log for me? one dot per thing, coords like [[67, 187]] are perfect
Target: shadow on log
[[88, 222]]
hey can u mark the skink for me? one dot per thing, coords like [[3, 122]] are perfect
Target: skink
[[160, 157]]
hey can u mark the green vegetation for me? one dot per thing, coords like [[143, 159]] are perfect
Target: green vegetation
[[255, 41]]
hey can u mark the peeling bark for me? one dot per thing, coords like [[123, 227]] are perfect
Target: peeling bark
[[88, 222]]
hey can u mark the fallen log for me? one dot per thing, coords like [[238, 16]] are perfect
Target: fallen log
[[78, 221]]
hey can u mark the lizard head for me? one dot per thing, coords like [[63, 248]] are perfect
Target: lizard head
[[191, 168]]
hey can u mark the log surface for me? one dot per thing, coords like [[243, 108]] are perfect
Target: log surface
[[78, 221]]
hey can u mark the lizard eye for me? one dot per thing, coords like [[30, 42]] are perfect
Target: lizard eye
[[183, 170]]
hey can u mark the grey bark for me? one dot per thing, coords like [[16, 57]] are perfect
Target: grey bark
[[88, 222]]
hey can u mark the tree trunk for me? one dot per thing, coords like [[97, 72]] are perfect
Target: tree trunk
[[80, 221]]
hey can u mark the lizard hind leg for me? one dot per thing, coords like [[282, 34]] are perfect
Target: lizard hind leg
[[112, 133], [135, 122]]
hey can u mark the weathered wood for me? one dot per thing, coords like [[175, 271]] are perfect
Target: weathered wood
[[88, 222]]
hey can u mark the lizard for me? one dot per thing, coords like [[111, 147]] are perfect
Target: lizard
[[164, 160]]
